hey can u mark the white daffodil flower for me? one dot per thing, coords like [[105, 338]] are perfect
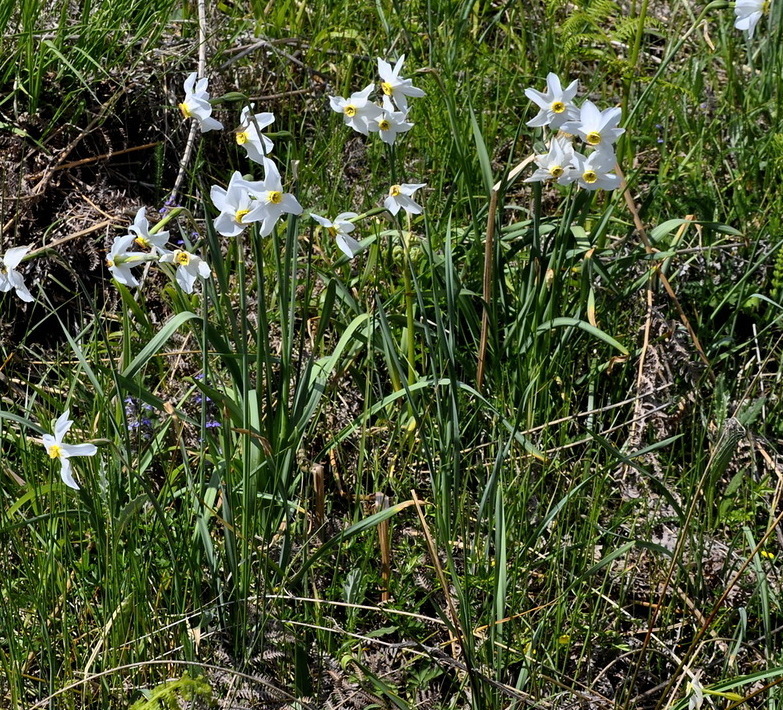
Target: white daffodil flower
[[556, 164], [10, 278], [555, 105], [357, 110], [239, 206], [394, 86], [120, 261], [143, 238], [400, 198], [272, 200], [189, 266], [389, 122], [249, 137], [57, 450], [196, 104], [596, 128], [594, 172], [748, 13], [339, 229]]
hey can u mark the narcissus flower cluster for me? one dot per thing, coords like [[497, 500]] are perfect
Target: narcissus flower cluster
[[598, 130], [389, 118]]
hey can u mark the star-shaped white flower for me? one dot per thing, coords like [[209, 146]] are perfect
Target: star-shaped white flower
[[594, 172], [143, 238], [57, 450], [389, 122], [10, 278], [400, 198], [748, 13], [339, 229], [274, 203], [357, 110], [238, 205], [556, 164], [555, 105], [596, 128], [196, 104], [189, 266], [394, 86], [120, 260], [249, 137]]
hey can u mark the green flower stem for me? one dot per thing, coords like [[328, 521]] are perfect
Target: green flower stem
[[408, 283], [167, 218]]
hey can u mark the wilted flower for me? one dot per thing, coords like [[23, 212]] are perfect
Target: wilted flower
[[189, 266], [238, 205], [272, 201], [555, 105], [196, 104], [556, 164], [748, 13], [396, 87], [339, 229], [143, 238], [249, 137], [120, 260], [9, 277], [389, 122], [400, 198], [357, 110], [596, 128], [594, 171], [57, 450]]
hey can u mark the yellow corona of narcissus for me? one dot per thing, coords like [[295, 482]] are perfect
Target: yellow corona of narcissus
[[56, 449]]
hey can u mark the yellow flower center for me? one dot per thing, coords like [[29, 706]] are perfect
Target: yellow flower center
[[558, 107], [240, 214], [182, 258], [110, 262], [349, 110], [384, 124], [556, 171], [3, 268], [386, 87], [242, 138], [143, 242], [275, 197], [589, 176], [54, 451], [185, 110], [395, 190], [593, 138], [332, 230]]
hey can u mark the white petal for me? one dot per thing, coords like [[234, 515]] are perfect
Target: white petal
[[62, 425], [348, 245], [13, 256], [66, 475], [79, 449]]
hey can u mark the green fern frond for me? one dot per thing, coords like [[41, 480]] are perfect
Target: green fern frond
[[166, 696]]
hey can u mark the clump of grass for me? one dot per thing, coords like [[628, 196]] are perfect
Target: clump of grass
[[301, 479]]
